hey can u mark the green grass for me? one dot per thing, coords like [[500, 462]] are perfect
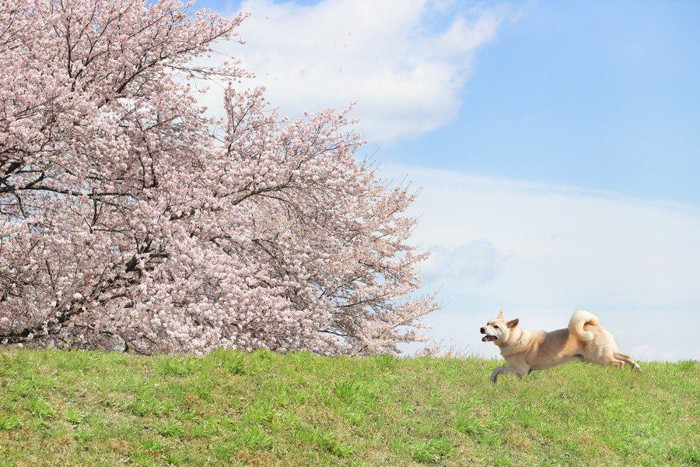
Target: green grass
[[229, 408]]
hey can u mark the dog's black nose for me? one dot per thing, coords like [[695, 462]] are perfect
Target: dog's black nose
[[483, 331]]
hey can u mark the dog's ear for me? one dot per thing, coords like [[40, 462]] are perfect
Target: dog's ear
[[512, 323], [500, 315]]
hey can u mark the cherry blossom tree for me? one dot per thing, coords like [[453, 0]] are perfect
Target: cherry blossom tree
[[128, 218]]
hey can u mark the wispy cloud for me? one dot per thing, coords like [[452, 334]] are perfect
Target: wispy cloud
[[403, 63], [540, 252]]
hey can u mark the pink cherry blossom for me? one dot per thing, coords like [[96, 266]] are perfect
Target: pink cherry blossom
[[129, 219]]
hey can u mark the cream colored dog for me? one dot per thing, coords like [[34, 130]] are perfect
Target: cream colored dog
[[584, 340]]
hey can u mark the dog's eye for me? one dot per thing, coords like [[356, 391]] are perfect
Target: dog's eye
[[495, 327]]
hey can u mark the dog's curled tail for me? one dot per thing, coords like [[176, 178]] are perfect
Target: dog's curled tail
[[579, 320]]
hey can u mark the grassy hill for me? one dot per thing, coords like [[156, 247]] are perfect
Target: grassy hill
[[228, 408]]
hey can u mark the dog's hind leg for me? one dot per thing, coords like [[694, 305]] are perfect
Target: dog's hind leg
[[605, 359], [627, 359], [611, 360]]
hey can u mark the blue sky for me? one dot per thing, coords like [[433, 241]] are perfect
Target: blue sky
[[556, 146], [604, 95]]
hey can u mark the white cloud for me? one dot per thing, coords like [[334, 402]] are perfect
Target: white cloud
[[540, 252], [404, 73], [477, 262]]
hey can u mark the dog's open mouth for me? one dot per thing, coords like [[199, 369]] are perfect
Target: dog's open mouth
[[488, 338]]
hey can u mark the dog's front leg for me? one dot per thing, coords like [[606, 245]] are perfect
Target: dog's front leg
[[505, 369], [497, 371]]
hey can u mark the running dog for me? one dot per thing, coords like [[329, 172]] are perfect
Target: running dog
[[584, 340]]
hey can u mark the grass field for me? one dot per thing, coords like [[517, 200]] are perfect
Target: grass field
[[228, 408]]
